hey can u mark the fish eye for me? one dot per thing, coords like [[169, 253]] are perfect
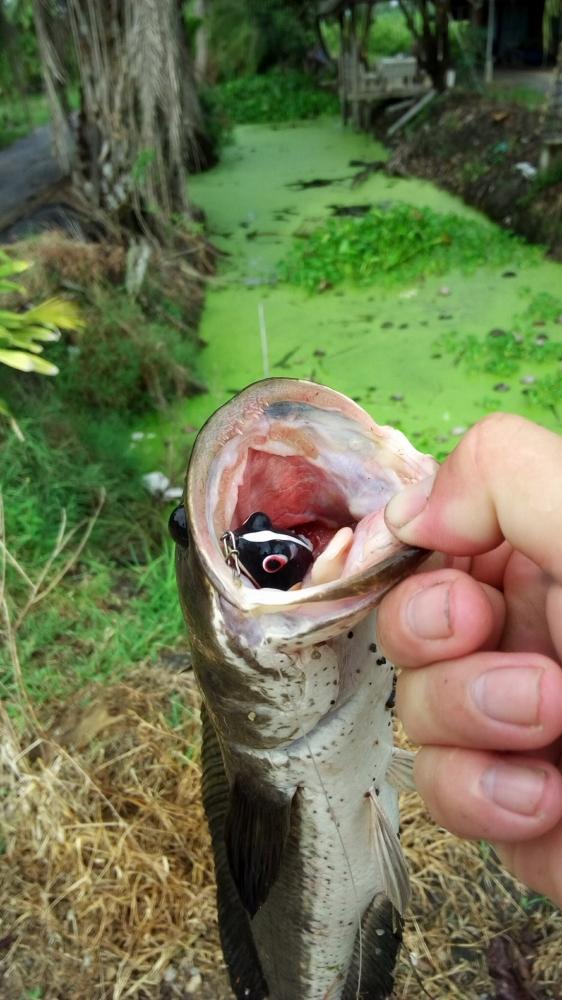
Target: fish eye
[[177, 526], [273, 563]]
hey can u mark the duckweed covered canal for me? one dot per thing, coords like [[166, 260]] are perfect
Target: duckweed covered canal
[[430, 336]]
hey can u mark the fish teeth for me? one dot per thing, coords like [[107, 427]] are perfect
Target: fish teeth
[[329, 565]]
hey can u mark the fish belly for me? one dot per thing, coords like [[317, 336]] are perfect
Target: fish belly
[[307, 930]]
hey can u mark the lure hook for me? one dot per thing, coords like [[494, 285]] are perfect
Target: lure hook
[[231, 555]]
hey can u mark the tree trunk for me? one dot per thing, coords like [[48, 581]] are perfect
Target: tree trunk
[[432, 36], [476, 12], [140, 128]]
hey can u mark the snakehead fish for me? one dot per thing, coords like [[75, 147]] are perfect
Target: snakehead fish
[[282, 556]]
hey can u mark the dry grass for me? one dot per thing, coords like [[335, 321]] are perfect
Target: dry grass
[[463, 901], [60, 261], [107, 888]]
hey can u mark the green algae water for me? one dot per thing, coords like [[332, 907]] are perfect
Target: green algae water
[[392, 348]]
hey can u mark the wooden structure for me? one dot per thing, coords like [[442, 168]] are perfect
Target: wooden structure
[[514, 30], [360, 85]]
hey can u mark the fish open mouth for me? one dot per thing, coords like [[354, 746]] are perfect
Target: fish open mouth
[[316, 466], [295, 494]]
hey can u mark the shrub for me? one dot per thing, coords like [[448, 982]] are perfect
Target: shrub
[[394, 244], [278, 96]]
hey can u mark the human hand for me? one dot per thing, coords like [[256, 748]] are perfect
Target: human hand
[[480, 642]]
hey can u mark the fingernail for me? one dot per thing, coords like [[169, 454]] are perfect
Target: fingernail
[[428, 612], [517, 789], [509, 695], [407, 504]]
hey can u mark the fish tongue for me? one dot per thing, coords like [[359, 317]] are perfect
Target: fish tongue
[[330, 563]]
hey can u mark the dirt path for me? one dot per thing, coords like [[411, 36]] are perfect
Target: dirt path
[[28, 169]]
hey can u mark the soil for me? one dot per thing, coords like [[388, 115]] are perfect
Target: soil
[[471, 146]]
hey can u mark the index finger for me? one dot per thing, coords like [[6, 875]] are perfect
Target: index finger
[[503, 481]]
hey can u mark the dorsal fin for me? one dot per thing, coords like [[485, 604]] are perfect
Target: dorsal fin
[[256, 830]]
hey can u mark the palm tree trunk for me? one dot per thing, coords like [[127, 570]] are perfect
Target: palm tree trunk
[[140, 128]]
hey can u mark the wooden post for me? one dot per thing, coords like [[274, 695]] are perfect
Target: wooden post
[[489, 72]]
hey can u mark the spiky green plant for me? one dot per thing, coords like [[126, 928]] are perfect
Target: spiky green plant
[[24, 334]]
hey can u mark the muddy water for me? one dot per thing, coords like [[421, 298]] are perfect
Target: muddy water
[[374, 345]]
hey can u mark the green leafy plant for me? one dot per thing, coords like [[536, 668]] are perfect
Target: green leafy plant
[[250, 36], [396, 243], [24, 334], [278, 96], [390, 35]]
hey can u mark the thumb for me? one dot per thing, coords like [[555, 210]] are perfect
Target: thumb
[[503, 481]]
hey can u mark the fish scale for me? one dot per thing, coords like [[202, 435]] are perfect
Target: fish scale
[[300, 776]]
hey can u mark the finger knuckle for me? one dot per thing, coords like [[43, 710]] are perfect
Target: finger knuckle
[[494, 431]]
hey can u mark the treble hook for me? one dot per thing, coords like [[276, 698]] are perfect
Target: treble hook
[[228, 541]]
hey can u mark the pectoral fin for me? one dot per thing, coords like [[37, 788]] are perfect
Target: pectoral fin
[[401, 770], [256, 831], [386, 846]]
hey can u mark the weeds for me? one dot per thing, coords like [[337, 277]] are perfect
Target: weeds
[[278, 96], [535, 342], [115, 603], [84, 608], [389, 35], [526, 97], [397, 244], [133, 353]]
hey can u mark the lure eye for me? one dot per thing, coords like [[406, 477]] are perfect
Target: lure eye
[[177, 526], [273, 563]]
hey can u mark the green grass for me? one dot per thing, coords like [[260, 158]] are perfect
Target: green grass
[[124, 354], [278, 96], [118, 603], [19, 116], [528, 97], [396, 243]]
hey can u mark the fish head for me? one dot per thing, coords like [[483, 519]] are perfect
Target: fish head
[[317, 466]]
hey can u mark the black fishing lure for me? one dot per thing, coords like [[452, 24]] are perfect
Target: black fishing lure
[[268, 556]]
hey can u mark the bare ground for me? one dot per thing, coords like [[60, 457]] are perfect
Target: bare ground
[[471, 146]]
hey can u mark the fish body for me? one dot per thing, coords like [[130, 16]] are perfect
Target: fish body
[[299, 772]]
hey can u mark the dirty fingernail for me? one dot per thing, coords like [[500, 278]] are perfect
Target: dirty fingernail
[[517, 789], [428, 612], [407, 504], [510, 694]]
